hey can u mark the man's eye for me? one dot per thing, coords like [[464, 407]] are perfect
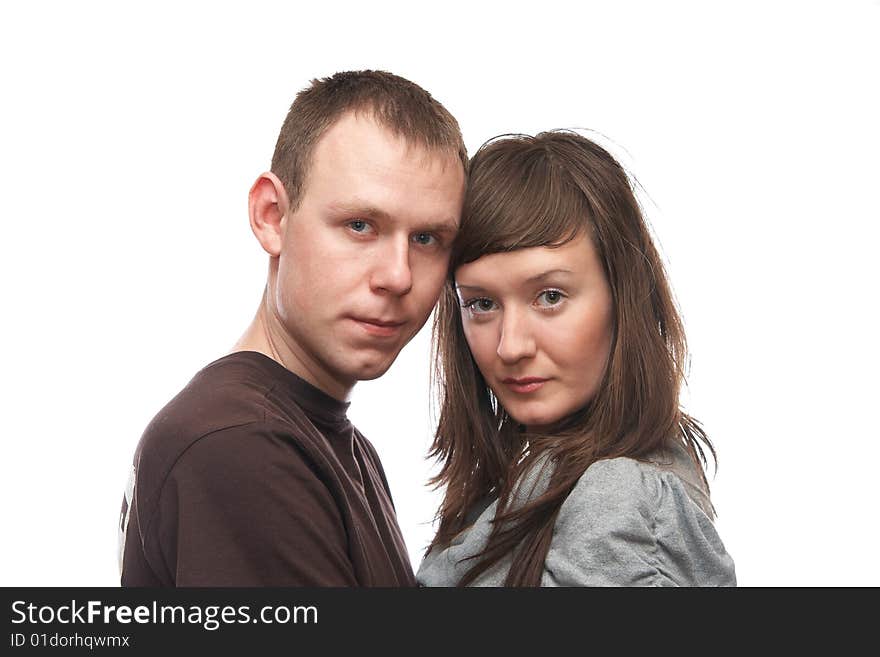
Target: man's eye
[[425, 239], [358, 225]]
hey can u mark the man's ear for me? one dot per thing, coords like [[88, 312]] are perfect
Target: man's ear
[[267, 207]]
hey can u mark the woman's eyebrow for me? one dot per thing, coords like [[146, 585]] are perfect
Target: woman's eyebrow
[[469, 287], [537, 278], [547, 274]]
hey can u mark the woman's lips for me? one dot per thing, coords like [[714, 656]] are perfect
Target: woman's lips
[[525, 384]]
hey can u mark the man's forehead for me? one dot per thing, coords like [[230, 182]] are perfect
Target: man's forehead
[[358, 131], [355, 130], [361, 169]]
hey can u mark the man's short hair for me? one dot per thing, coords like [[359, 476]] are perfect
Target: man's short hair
[[401, 106]]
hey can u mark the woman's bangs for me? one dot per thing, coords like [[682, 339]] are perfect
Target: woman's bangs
[[519, 204]]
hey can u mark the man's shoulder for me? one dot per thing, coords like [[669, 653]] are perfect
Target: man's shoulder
[[225, 420], [225, 394], [229, 406]]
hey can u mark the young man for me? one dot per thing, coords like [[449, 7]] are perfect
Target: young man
[[252, 475]]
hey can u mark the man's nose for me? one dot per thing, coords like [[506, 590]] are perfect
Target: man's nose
[[517, 339], [391, 270]]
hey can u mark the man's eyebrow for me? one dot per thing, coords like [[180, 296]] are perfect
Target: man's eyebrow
[[372, 212], [442, 226], [359, 209]]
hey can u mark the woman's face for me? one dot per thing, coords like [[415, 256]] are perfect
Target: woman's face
[[539, 323]]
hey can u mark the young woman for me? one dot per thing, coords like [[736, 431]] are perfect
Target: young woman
[[559, 353]]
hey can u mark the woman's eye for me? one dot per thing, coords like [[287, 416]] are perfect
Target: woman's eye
[[550, 298], [478, 306]]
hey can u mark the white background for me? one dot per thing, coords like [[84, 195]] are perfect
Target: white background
[[129, 136]]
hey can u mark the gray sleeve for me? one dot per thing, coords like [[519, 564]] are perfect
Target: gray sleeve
[[628, 523]]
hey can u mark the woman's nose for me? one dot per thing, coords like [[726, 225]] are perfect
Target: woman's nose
[[517, 339]]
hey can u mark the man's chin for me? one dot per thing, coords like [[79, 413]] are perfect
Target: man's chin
[[369, 370], [371, 373], [368, 364]]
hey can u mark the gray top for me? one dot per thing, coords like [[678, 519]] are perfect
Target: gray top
[[625, 523]]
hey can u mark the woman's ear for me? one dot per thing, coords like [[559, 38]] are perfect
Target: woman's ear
[[267, 208]]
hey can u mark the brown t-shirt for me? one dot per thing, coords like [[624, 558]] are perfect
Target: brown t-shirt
[[251, 476]]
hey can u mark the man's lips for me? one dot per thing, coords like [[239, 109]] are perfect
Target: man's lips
[[525, 384], [379, 327]]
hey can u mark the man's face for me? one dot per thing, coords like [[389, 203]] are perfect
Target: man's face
[[364, 256]]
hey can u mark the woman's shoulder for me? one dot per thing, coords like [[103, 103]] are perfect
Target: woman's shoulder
[[639, 522], [666, 476], [612, 489]]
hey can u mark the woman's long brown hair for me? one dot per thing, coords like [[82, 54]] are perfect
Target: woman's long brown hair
[[524, 192]]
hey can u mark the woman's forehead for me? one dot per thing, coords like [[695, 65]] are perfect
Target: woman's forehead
[[531, 264]]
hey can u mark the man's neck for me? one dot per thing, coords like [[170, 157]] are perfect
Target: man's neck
[[266, 336]]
